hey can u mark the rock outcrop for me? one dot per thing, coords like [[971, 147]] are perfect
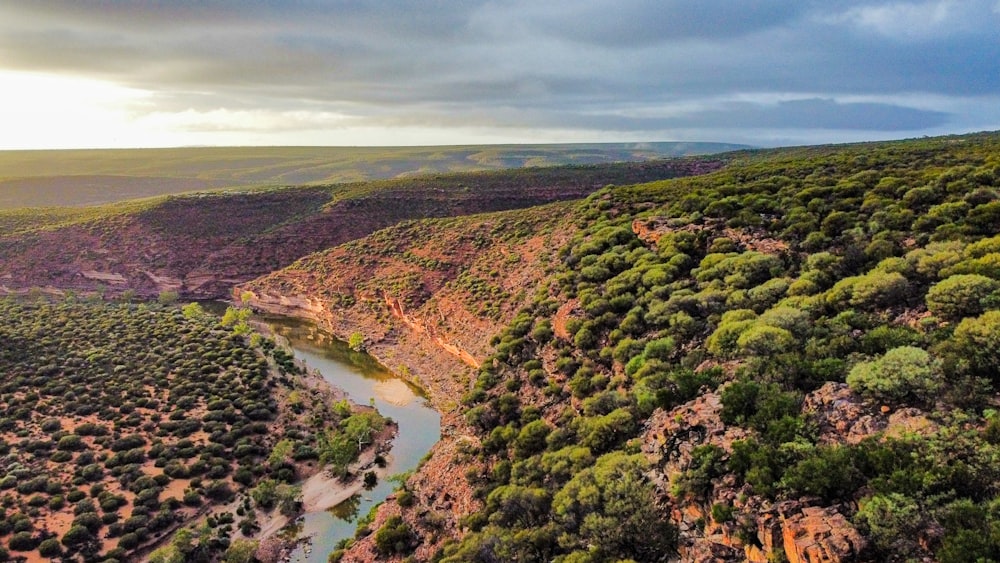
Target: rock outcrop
[[803, 529]]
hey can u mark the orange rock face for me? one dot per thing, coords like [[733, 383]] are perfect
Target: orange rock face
[[820, 535]]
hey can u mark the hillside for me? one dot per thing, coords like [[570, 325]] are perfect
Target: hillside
[[94, 177], [201, 244], [793, 357], [775, 355]]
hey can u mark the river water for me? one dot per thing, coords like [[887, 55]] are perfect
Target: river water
[[366, 382]]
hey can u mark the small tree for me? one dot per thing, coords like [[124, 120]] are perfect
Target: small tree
[[891, 522], [50, 548], [193, 311], [394, 537], [764, 340], [168, 297], [241, 551], [879, 289], [356, 341]]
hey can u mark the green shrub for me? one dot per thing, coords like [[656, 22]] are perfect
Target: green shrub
[[960, 296], [891, 521], [879, 289], [723, 342], [531, 439], [764, 340], [394, 537], [902, 373], [50, 548], [978, 340], [659, 349], [76, 536], [722, 513], [22, 541], [828, 473]]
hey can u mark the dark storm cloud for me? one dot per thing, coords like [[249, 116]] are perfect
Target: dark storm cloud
[[640, 65]]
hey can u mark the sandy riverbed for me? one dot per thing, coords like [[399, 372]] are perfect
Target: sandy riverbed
[[322, 491]]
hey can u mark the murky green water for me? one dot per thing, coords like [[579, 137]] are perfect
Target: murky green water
[[366, 381]]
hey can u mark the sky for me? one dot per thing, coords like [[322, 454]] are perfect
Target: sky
[[121, 73]]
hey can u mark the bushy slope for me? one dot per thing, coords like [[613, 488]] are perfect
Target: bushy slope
[[710, 323], [202, 244], [792, 357]]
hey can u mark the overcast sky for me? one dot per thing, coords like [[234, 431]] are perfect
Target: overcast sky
[[119, 73]]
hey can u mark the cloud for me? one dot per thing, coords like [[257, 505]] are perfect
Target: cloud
[[603, 67], [922, 21]]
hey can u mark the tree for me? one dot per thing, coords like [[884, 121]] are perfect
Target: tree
[[193, 311], [265, 494], [241, 551], [166, 554], [879, 289], [24, 541], [892, 522], [280, 452], [167, 297], [764, 340], [77, 536], [610, 508], [50, 548], [531, 439]]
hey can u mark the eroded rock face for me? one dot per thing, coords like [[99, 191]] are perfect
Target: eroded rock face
[[841, 415], [760, 529], [671, 436], [819, 535]]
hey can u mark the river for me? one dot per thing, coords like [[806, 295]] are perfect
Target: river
[[366, 382]]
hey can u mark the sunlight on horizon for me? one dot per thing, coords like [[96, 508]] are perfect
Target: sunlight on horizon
[[45, 111], [48, 111]]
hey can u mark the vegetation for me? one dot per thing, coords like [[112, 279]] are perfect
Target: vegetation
[[124, 420], [809, 327], [867, 264], [89, 177]]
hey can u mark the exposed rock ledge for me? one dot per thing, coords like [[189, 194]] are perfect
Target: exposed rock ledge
[[110, 277], [292, 306], [397, 311]]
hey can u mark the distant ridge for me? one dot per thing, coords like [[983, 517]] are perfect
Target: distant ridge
[[78, 177]]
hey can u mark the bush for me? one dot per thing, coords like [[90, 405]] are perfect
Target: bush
[[764, 340], [77, 535], [902, 373], [71, 442], [531, 439], [879, 289], [892, 522], [394, 537], [723, 342], [50, 548], [659, 349], [960, 296], [978, 339], [22, 541], [129, 541]]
